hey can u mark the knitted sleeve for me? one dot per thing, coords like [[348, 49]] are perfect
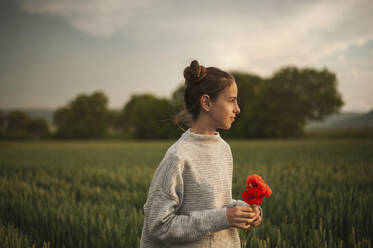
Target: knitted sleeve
[[165, 198]]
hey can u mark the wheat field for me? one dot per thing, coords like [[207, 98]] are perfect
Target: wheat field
[[90, 194]]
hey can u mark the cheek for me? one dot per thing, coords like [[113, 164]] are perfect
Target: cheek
[[225, 113], [228, 110]]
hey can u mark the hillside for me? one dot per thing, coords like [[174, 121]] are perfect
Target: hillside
[[343, 121], [350, 120]]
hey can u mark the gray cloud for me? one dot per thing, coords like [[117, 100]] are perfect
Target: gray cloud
[[247, 31], [98, 17], [256, 36]]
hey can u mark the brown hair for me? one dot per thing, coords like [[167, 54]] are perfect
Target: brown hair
[[199, 81]]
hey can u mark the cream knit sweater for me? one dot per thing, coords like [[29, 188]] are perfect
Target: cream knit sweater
[[189, 194]]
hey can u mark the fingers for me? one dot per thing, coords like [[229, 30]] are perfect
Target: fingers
[[256, 222], [251, 220], [242, 226], [242, 217], [250, 215], [240, 212], [241, 220], [245, 209], [257, 210], [245, 220], [246, 214]]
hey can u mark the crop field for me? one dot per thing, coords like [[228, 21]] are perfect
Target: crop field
[[90, 194]]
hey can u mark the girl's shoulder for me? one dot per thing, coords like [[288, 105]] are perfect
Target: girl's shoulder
[[226, 144], [177, 149], [172, 161]]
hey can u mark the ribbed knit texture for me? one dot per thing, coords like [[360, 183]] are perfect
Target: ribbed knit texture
[[189, 194]]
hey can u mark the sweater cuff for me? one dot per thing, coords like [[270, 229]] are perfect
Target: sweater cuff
[[240, 203], [216, 219]]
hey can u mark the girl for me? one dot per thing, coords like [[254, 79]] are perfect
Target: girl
[[189, 202]]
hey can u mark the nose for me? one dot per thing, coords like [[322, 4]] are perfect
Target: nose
[[236, 109]]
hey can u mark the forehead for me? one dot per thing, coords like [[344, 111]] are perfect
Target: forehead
[[230, 91]]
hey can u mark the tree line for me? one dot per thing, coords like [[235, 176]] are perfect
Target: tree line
[[274, 107], [17, 124]]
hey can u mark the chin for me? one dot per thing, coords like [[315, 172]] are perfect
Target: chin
[[226, 127]]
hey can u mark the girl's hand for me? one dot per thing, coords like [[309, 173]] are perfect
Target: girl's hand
[[242, 217], [258, 220]]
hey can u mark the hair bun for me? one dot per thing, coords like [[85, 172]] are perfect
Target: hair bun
[[195, 73]]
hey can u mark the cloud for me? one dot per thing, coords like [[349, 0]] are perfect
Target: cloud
[[314, 32], [355, 75], [97, 17], [255, 36]]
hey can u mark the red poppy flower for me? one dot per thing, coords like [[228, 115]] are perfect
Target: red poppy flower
[[256, 190]]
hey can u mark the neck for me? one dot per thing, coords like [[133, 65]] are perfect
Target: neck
[[203, 125], [206, 131], [205, 138]]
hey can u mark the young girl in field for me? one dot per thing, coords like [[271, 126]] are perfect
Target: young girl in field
[[189, 202]]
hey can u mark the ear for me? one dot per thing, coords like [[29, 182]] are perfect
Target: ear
[[205, 102]]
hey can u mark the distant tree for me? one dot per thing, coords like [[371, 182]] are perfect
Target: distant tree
[[38, 128], [86, 116], [291, 97], [315, 90], [147, 117], [302, 95], [62, 119], [17, 124]]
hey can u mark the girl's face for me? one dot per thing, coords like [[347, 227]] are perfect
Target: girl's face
[[225, 108]]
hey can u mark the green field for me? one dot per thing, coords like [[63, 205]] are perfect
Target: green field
[[90, 194]]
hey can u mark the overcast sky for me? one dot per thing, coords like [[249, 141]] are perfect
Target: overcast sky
[[53, 50]]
